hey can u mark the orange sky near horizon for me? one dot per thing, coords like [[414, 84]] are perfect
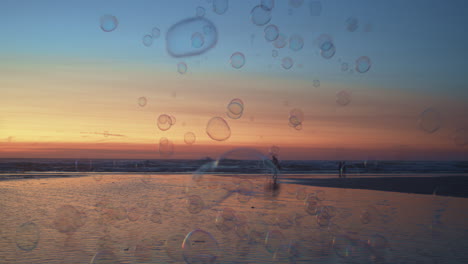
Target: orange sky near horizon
[[63, 110]]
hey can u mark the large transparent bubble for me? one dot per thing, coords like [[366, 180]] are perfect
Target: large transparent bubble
[[242, 171], [180, 41], [218, 129], [200, 246], [260, 16]]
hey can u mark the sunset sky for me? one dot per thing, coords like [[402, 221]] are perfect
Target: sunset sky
[[70, 90]]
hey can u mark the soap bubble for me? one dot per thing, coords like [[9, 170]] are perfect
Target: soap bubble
[[284, 221], [182, 67], [218, 129], [327, 50], [189, 138], [174, 247], [287, 63], [109, 23], [296, 117], [296, 42], [429, 120], [225, 220], [280, 41], [197, 40], [271, 32], [68, 219], [352, 24], [156, 217], [344, 66], [296, 3], [164, 122], [237, 60], [142, 101], [353, 251], [273, 240], [315, 8], [147, 40], [134, 213], [461, 137], [312, 205], [316, 83], [245, 191], [155, 32], [260, 16], [195, 204], [274, 53], [267, 4], [200, 11], [27, 236], [220, 6], [235, 108], [377, 242], [200, 246], [343, 98], [166, 147], [179, 37], [104, 257], [363, 64]]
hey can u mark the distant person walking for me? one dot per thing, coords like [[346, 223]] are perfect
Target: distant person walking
[[342, 169]]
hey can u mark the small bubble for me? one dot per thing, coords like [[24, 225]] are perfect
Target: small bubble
[[284, 221], [200, 246], [189, 138], [220, 6], [142, 101], [316, 83], [197, 40], [274, 53], [327, 50], [287, 63], [68, 219], [166, 147], [27, 236], [296, 3], [235, 108], [461, 137], [109, 23], [280, 42], [134, 213], [218, 129], [271, 32], [273, 240], [155, 32], [174, 247], [429, 120], [343, 98], [147, 40], [195, 204], [296, 117], [200, 11], [315, 8], [156, 217], [363, 64], [237, 60], [352, 24], [182, 67], [164, 122], [260, 16], [267, 4], [344, 66], [296, 42], [225, 220]]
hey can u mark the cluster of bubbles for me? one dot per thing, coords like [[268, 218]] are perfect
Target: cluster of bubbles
[[149, 38], [235, 108], [165, 122], [296, 117], [326, 46]]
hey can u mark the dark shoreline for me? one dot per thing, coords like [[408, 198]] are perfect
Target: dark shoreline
[[455, 186]]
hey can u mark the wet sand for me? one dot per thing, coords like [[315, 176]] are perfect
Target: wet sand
[[455, 186]]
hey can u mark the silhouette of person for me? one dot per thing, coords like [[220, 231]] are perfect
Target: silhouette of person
[[275, 185], [340, 169]]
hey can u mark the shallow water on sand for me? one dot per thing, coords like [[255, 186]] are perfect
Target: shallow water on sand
[[132, 218]]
